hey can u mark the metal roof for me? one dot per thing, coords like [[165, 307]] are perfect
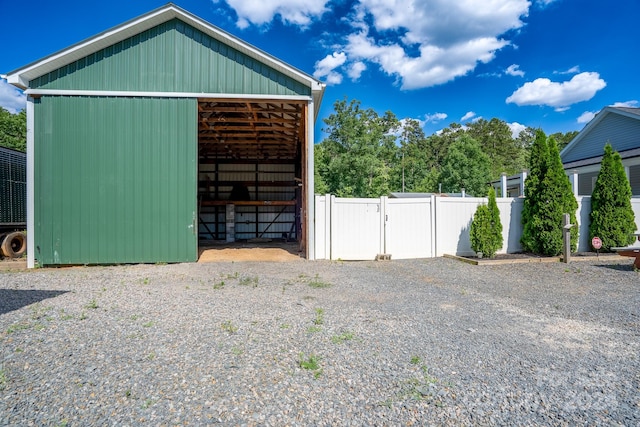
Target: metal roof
[[21, 76]]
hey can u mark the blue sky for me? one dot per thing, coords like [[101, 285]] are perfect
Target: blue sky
[[542, 63]]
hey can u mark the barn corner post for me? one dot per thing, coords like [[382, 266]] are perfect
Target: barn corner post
[[310, 183], [30, 185]]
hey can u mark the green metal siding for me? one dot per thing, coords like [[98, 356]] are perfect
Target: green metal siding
[[115, 180], [172, 57]]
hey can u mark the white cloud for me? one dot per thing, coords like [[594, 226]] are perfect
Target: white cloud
[[439, 39], [573, 70], [468, 116], [420, 43], [325, 68], [586, 117], [516, 128], [356, 69], [435, 117], [11, 99], [627, 104], [260, 12], [514, 70], [559, 95]]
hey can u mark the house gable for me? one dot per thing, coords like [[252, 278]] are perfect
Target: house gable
[[617, 126]]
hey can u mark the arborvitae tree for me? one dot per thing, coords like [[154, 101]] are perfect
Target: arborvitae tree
[[612, 217], [556, 199], [539, 163], [486, 229], [496, 225], [548, 196]]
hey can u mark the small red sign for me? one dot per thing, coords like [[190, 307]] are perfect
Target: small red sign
[[596, 243]]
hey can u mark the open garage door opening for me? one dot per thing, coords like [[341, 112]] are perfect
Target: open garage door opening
[[251, 173]]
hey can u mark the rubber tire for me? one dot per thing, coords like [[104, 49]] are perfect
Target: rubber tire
[[14, 245]]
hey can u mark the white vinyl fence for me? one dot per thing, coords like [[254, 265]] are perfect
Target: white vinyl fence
[[361, 229]]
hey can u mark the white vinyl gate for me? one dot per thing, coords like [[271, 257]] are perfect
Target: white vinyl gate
[[360, 229]]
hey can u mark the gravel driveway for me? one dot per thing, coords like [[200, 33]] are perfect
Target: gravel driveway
[[425, 342]]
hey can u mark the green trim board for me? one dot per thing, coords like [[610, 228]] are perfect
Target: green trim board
[[115, 180]]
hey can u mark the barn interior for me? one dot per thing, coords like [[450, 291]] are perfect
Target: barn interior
[[251, 172]]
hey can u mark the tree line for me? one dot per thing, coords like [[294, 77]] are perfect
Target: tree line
[[369, 155]]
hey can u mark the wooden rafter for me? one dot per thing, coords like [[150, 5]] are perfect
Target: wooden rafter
[[250, 129]]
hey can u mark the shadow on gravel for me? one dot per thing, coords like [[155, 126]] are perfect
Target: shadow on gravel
[[619, 267], [14, 299]]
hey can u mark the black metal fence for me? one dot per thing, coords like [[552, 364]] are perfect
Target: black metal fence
[[13, 186]]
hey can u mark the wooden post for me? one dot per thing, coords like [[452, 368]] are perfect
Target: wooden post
[[566, 238]]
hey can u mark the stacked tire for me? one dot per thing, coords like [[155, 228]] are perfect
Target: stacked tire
[[13, 245]]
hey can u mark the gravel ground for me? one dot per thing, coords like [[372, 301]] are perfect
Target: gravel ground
[[424, 342]]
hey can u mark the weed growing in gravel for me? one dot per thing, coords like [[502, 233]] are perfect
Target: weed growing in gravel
[[314, 329], [17, 327], [148, 324], [339, 339], [319, 319], [237, 351], [65, 316], [311, 363], [249, 281], [83, 315], [147, 403], [229, 327], [423, 387], [3, 379], [218, 285], [318, 283], [93, 304], [285, 326], [145, 281], [151, 355]]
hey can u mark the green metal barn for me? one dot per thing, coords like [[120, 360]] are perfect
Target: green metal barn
[[164, 133]]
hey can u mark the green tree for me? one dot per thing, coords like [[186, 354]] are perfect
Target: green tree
[[486, 229], [548, 195], [465, 166], [412, 171], [612, 218], [538, 165], [13, 130], [359, 152], [563, 139], [495, 138]]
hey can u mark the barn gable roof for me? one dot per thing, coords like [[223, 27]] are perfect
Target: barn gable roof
[[22, 77]]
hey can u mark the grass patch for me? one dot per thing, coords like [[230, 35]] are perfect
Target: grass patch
[[319, 319], [18, 327], [3, 379], [345, 336], [229, 327], [310, 363], [249, 281], [318, 283]]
